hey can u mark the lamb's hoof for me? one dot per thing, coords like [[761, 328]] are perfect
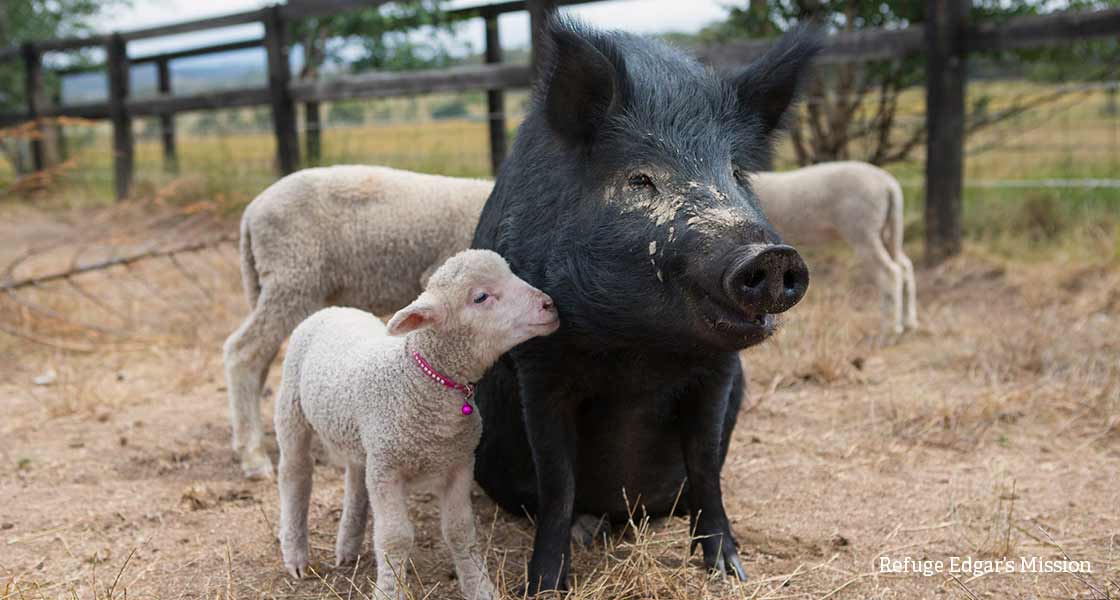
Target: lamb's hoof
[[346, 558], [256, 466], [485, 591], [298, 569], [588, 528], [388, 591]]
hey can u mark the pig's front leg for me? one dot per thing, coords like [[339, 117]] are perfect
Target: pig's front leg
[[703, 412], [551, 427]]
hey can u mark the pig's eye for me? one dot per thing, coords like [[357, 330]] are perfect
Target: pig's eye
[[640, 180], [479, 299]]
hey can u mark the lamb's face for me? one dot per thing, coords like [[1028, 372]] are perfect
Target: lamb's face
[[482, 297], [476, 299]]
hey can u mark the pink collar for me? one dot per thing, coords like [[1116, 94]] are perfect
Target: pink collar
[[466, 389]]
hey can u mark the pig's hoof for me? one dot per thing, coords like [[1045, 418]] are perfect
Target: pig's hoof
[[729, 563], [256, 466], [588, 528], [540, 587]]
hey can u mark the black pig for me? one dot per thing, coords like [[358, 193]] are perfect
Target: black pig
[[626, 199]]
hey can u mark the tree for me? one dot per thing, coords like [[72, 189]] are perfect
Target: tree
[[371, 38], [854, 108], [28, 21]]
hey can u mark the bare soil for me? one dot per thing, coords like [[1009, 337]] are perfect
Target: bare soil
[[991, 433]]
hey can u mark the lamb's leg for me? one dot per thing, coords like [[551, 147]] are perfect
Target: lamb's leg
[[355, 511], [293, 435], [392, 533], [457, 518], [910, 292], [888, 277], [588, 528], [249, 352]]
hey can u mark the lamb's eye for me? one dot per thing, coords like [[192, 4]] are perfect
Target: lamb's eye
[[479, 299], [640, 180], [737, 173]]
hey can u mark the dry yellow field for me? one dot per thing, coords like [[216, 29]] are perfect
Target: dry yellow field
[[991, 433]]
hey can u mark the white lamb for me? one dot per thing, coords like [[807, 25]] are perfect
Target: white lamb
[[856, 202], [396, 410], [356, 236]]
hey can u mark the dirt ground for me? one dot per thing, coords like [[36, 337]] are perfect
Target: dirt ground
[[993, 433]]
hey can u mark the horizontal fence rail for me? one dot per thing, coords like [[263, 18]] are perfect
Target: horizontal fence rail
[[945, 39], [381, 85], [860, 46]]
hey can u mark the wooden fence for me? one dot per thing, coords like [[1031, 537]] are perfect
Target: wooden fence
[[946, 38]]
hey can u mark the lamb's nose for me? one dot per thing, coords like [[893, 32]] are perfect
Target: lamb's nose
[[546, 304]]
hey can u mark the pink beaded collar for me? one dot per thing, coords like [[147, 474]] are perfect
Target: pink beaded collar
[[466, 389]]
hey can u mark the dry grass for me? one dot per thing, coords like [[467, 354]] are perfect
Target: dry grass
[[992, 432]]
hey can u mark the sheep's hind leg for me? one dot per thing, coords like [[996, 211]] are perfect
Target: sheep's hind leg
[[392, 534], [457, 519], [888, 278], [294, 481], [249, 352], [355, 512], [910, 292]]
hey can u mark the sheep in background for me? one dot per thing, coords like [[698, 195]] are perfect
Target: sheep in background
[[358, 236], [397, 411], [854, 201]]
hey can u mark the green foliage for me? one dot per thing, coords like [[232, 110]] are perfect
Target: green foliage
[[1074, 61], [207, 122], [30, 20], [346, 113], [450, 109], [850, 109], [378, 38]]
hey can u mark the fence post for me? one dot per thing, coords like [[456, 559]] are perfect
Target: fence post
[[33, 90], [59, 132], [495, 99], [167, 120], [538, 11], [117, 63], [279, 75], [312, 124], [945, 114]]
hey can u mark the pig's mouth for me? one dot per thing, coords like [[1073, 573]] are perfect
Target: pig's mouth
[[746, 328]]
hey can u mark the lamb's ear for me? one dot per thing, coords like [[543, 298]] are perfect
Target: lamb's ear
[[425, 311], [768, 87], [582, 85]]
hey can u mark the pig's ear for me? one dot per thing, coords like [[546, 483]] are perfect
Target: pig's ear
[[425, 311], [582, 84], [768, 87]]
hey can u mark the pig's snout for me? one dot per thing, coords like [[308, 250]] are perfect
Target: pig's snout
[[766, 279]]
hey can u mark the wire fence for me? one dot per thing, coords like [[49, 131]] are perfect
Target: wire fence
[[1062, 139]]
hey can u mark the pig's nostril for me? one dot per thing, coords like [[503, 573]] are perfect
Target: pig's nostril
[[755, 278], [791, 280]]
